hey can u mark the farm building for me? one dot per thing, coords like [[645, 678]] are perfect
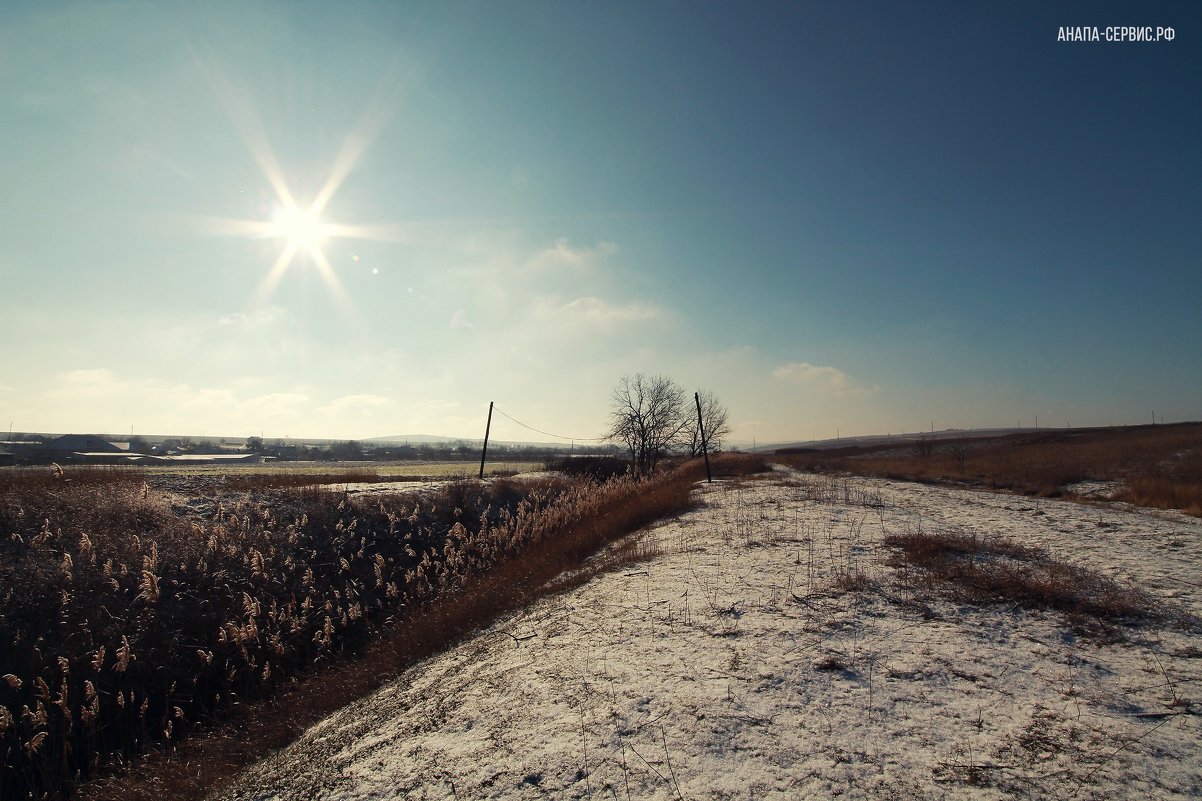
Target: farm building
[[83, 443], [93, 449], [84, 447]]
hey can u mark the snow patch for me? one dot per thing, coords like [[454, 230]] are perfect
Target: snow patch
[[737, 665]]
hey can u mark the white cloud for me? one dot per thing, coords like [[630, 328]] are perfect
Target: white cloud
[[100, 399], [830, 380], [737, 357], [596, 310], [356, 404], [459, 319], [194, 401], [561, 254], [274, 404], [100, 378], [253, 321]]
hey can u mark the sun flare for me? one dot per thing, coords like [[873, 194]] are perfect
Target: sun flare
[[303, 229]]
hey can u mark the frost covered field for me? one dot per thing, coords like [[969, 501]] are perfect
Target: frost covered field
[[770, 645]]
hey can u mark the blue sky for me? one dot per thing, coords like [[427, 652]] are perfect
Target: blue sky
[[863, 217]]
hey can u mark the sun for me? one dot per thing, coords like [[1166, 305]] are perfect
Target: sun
[[302, 229]]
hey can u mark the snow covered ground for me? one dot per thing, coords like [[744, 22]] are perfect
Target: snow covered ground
[[734, 664]]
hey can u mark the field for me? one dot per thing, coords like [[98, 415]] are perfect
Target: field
[[800, 636], [143, 607], [1157, 466], [357, 471], [169, 628]]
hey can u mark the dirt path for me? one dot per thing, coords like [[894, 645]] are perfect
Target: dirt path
[[769, 651]]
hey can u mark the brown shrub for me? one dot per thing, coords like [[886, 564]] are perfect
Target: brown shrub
[[728, 464], [983, 570], [1163, 493]]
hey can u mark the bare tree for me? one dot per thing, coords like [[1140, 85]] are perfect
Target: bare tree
[[713, 416], [647, 415]]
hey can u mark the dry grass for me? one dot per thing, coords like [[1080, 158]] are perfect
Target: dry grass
[[592, 465], [1163, 493], [852, 579], [251, 481], [980, 570], [1159, 466], [726, 465], [555, 537], [132, 627]]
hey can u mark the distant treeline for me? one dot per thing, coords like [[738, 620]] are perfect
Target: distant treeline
[[34, 449], [426, 451]]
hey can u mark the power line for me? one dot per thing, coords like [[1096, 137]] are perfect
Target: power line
[[548, 433]]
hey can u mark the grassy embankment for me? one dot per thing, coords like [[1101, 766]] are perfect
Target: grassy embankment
[[1155, 466], [133, 628]]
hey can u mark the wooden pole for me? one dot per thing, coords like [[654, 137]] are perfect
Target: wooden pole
[[484, 452], [704, 450]]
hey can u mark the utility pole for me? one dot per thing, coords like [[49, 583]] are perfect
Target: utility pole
[[484, 451], [704, 450]]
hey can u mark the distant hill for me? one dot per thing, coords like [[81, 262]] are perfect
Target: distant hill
[[434, 439], [415, 439], [872, 440]]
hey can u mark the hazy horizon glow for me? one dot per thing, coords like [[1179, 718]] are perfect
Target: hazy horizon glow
[[344, 222]]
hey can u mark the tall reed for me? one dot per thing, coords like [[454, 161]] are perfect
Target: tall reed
[[131, 625]]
